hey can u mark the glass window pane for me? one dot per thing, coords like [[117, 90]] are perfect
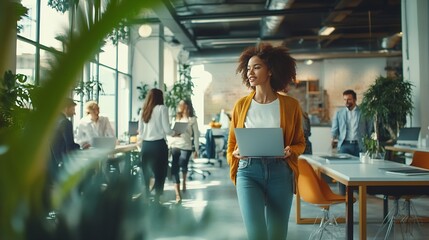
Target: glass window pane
[[26, 60], [46, 58], [123, 57], [108, 55], [52, 25], [28, 22], [124, 82], [107, 98]]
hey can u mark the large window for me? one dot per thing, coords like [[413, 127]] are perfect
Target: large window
[[40, 38]]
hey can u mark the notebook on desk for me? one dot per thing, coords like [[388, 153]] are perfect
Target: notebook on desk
[[339, 158], [260, 142], [406, 170]]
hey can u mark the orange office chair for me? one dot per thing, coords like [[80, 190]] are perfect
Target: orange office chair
[[410, 216], [316, 191]]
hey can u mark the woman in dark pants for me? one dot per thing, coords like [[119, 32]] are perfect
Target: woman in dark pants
[[154, 126]]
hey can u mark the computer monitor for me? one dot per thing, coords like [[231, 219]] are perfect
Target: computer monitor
[[408, 136], [133, 128]]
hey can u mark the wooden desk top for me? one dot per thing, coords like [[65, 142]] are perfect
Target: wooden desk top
[[408, 149]]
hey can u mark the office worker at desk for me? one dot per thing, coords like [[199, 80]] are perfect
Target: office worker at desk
[[93, 125], [265, 185]]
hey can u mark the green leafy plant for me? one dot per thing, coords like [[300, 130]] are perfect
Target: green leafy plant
[[388, 102], [182, 89], [89, 89], [17, 98], [373, 147], [23, 154]]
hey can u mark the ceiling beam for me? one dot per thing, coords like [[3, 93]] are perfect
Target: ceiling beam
[[168, 18]]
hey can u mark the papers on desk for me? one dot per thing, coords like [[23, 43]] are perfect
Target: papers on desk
[[340, 158], [406, 171]]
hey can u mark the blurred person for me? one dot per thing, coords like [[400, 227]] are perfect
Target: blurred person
[[63, 140], [154, 126], [183, 145], [265, 185], [306, 124], [93, 125], [62, 144]]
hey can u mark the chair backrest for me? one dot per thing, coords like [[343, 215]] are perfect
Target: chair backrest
[[309, 184], [420, 159]]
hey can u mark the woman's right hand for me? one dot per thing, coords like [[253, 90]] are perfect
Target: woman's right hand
[[236, 154]]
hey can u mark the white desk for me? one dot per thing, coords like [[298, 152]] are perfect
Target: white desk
[[360, 175]]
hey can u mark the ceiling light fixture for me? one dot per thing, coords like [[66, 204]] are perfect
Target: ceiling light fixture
[[325, 31], [145, 30], [308, 62]]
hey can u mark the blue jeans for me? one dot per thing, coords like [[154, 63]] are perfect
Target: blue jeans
[[265, 191]]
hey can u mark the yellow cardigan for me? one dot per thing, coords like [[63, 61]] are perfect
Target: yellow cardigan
[[290, 122]]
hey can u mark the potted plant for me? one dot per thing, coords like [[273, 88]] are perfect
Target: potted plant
[[388, 102]]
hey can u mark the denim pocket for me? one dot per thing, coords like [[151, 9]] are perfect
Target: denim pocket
[[243, 164]]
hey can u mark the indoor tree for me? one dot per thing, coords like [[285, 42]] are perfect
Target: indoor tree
[[388, 102]]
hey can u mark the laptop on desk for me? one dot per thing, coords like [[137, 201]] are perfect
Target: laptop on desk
[[108, 143], [408, 137], [260, 142]]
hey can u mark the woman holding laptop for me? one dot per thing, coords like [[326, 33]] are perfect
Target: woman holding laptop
[[183, 145], [265, 184]]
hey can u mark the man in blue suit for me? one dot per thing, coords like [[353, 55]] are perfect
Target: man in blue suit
[[349, 127]]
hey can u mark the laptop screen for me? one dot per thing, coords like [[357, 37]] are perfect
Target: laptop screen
[[408, 136]]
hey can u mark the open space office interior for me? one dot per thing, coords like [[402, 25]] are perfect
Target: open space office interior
[[77, 77]]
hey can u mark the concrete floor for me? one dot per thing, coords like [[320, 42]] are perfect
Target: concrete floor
[[210, 211]]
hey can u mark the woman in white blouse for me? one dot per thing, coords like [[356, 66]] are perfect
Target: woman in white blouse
[[154, 126], [93, 125]]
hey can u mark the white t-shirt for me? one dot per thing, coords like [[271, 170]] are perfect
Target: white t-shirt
[[263, 115]]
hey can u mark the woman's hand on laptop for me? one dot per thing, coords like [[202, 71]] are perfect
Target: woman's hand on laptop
[[236, 154], [287, 151]]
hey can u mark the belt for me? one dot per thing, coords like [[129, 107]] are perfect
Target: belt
[[351, 141]]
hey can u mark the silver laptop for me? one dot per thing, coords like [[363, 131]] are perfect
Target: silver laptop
[[180, 127], [260, 142], [408, 136], [104, 143]]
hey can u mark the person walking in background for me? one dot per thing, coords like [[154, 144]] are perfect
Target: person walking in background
[[349, 128], [306, 127], [265, 185], [153, 127], [183, 145], [93, 125]]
